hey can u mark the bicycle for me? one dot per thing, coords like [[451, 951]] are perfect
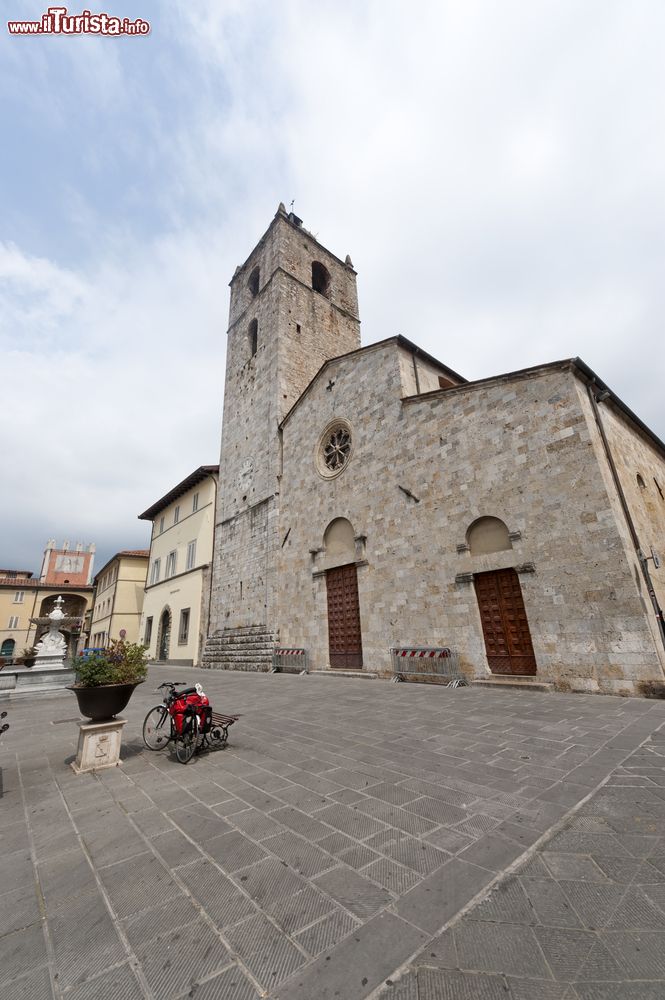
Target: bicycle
[[190, 727]]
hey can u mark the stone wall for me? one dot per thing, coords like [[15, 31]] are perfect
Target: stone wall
[[419, 374], [298, 330], [519, 449], [242, 593], [634, 455]]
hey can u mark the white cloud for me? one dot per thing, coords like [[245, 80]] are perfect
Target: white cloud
[[495, 172]]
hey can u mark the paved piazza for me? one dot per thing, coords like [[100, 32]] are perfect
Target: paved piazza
[[356, 839]]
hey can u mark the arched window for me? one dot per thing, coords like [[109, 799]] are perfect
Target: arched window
[[8, 647], [253, 337], [339, 541], [320, 279], [640, 482], [488, 534], [253, 281]]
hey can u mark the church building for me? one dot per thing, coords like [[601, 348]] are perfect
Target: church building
[[371, 498]]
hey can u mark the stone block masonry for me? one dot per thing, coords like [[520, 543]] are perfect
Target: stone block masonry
[[378, 553], [517, 449], [281, 330]]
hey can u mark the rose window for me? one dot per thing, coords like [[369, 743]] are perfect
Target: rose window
[[334, 449], [337, 449]]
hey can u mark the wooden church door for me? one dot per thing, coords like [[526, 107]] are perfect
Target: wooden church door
[[505, 626], [344, 638]]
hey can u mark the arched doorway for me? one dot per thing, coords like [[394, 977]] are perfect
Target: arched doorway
[[164, 638], [344, 634]]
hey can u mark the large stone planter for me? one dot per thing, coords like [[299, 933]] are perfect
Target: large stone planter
[[102, 702]]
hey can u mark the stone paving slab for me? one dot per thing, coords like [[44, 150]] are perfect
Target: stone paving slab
[[582, 919], [333, 842]]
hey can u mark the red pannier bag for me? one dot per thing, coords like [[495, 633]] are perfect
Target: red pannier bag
[[200, 704]]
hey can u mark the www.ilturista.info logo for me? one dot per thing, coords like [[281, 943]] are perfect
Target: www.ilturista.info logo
[[56, 21]]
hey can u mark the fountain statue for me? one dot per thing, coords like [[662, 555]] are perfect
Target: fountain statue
[[50, 650]]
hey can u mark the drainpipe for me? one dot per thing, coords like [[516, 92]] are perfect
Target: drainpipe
[[624, 504], [415, 372]]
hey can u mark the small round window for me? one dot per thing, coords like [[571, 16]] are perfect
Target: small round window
[[334, 451]]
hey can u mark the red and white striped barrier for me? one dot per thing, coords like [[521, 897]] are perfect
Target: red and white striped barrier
[[432, 654], [427, 661], [291, 659]]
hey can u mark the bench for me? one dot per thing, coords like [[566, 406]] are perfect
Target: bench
[[436, 662], [222, 722]]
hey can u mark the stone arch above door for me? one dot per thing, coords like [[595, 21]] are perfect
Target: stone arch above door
[[486, 535], [339, 543]]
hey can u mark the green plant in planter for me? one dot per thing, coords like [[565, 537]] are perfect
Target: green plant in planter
[[122, 663]]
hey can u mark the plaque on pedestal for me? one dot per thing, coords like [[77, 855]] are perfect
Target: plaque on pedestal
[[99, 745]]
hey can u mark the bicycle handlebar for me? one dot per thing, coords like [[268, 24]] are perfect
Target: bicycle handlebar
[[172, 689]]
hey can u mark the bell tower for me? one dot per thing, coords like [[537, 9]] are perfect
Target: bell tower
[[293, 306]]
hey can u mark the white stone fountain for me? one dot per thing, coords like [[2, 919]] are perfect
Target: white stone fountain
[[49, 672]]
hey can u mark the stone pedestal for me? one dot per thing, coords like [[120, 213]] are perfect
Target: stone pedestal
[[99, 745]]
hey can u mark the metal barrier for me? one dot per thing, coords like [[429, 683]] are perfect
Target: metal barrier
[[427, 661], [290, 661]]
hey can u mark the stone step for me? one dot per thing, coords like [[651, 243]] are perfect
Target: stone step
[[267, 660], [222, 639], [249, 648], [221, 646], [250, 630], [514, 683], [243, 637], [247, 668], [221, 642], [227, 652], [230, 654]]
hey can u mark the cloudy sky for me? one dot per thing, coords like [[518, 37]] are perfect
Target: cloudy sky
[[495, 170]]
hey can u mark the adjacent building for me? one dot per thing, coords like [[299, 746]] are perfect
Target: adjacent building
[[66, 572], [118, 598], [176, 605], [371, 497], [67, 566]]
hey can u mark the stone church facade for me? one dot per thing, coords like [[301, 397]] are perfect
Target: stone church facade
[[371, 497]]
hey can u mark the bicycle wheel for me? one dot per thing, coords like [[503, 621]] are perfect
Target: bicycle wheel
[[185, 746], [218, 736], [186, 743], [157, 728]]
